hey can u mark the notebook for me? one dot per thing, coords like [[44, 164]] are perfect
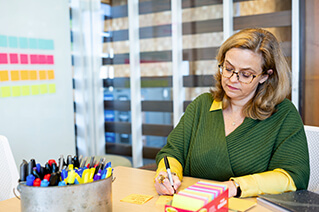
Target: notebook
[[301, 200]]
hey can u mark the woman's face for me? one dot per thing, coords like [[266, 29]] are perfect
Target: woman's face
[[237, 59]]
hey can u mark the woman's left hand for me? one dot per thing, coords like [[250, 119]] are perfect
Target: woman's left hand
[[232, 190]]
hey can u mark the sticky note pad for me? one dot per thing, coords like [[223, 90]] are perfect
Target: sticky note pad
[[13, 42], [3, 41], [43, 89], [5, 91], [16, 91], [137, 198], [187, 203], [50, 74], [24, 59], [50, 59], [25, 90], [33, 43], [13, 58], [4, 76], [42, 75], [240, 204], [35, 89], [34, 59], [3, 58], [41, 44], [15, 75], [23, 43], [24, 75], [52, 88], [163, 200], [33, 75]]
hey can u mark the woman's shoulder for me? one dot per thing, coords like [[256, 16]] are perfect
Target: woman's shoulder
[[202, 100], [286, 108]]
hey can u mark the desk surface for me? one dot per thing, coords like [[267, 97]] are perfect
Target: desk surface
[[129, 181]]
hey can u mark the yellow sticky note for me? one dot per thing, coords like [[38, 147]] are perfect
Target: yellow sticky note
[[42, 75], [163, 200], [5, 91], [25, 90], [240, 204], [43, 88], [4, 76], [16, 91], [50, 74], [137, 198], [52, 88], [35, 89], [187, 203], [33, 75], [15, 75]]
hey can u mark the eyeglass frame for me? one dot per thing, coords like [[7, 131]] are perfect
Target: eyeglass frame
[[237, 73]]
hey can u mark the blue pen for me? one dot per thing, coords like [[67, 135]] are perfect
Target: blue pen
[[64, 174], [62, 183], [30, 179], [45, 183], [97, 177]]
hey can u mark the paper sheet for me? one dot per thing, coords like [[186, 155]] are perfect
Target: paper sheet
[[163, 200], [237, 204], [137, 198]]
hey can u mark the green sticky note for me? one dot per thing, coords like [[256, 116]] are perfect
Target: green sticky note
[[43, 88], [16, 91], [5, 91], [35, 89], [25, 90], [51, 88]]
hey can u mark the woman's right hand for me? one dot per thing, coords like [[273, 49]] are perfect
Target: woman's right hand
[[163, 186]]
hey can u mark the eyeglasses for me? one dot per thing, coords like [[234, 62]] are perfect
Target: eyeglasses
[[242, 76]]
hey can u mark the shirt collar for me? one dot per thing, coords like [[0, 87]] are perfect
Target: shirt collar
[[216, 105]]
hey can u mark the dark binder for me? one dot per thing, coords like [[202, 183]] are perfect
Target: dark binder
[[302, 200]]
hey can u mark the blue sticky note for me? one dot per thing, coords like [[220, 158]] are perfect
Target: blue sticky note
[[41, 44], [13, 42], [33, 43], [50, 44], [3, 41], [23, 43]]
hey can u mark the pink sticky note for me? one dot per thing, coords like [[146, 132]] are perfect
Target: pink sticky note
[[24, 59], [3, 58], [50, 59], [42, 59], [13, 58], [34, 59]]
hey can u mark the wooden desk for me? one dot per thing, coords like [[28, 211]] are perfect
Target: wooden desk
[[129, 181]]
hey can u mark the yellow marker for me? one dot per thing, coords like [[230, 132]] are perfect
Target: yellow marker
[[86, 176], [109, 172], [71, 177], [71, 167]]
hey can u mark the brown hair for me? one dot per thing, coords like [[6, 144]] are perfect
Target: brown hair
[[275, 89]]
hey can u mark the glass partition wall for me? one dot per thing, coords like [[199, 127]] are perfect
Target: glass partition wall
[[176, 63]]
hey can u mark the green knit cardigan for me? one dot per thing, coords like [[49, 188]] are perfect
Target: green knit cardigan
[[198, 142]]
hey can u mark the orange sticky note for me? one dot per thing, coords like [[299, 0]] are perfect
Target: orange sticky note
[[137, 198], [25, 90], [35, 89], [33, 75], [5, 91], [24, 75], [50, 74], [43, 89], [42, 75], [16, 91], [4, 76], [15, 75]]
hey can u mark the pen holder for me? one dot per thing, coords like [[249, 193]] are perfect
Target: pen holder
[[94, 196]]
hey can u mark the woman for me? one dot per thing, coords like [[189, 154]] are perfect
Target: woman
[[245, 132]]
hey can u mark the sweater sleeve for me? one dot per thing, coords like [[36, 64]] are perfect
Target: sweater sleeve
[[175, 166], [270, 182]]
